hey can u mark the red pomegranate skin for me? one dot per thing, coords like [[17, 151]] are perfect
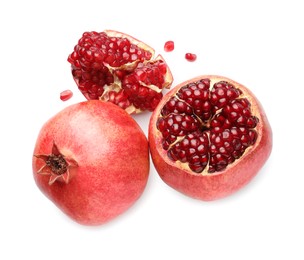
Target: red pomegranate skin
[[208, 187], [112, 155]]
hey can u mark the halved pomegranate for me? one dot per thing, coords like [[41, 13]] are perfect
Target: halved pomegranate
[[209, 136], [115, 67]]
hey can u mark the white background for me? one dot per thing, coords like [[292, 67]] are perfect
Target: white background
[[257, 43]]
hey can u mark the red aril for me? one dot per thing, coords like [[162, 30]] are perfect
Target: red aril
[[66, 95], [91, 159], [115, 67], [208, 137], [169, 46], [190, 56]]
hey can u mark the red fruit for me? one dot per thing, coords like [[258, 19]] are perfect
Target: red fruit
[[66, 95], [91, 160], [115, 67], [190, 56], [169, 46], [208, 137]]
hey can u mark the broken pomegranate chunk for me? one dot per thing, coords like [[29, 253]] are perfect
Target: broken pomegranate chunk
[[115, 67]]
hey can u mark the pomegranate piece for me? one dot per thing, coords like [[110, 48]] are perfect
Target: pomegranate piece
[[92, 160], [190, 57], [66, 95], [115, 67], [209, 136], [169, 46]]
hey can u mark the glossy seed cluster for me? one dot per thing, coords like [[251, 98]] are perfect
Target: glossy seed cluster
[[117, 69], [148, 74], [207, 127], [94, 48]]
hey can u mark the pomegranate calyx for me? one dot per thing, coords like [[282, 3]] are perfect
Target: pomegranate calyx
[[57, 166]]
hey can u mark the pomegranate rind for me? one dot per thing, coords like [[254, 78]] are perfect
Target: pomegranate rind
[[212, 186]]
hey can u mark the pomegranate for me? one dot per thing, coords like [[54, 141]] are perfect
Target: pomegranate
[[208, 137], [115, 67], [92, 160]]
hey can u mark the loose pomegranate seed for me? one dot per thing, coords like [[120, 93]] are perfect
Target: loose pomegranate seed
[[66, 95], [190, 57], [169, 46], [205, 125]]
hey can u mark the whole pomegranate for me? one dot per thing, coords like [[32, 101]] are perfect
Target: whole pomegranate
[[92, 160], [115, 67], [208, 137]]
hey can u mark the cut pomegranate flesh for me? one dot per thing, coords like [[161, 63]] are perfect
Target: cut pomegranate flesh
[[207, 127], [115, 67], [190, 56], [169, 46]]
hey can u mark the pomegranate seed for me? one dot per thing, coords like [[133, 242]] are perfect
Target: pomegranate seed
[[169, 46], [190, 56], [66, 95]]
